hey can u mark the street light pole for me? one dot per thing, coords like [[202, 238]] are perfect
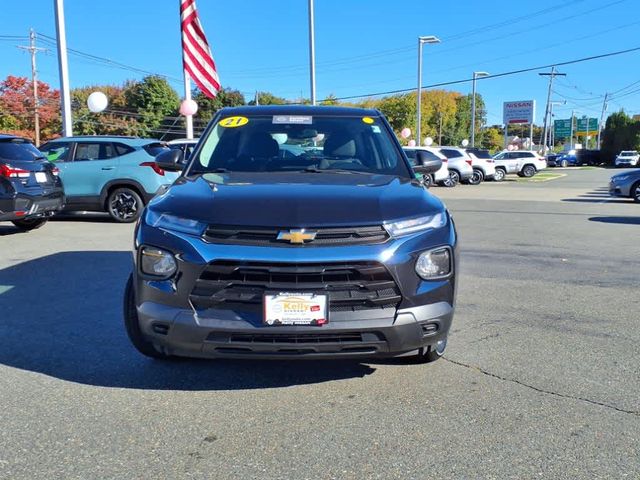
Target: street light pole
[[421, 41], [312, 54], [65, 97], [476, 75]]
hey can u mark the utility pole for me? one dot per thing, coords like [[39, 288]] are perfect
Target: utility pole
[[439, 128], [604, 110], [32, 49], [551, 76]]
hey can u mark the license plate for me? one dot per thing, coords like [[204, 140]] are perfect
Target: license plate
[[291, 308], [41, 177]]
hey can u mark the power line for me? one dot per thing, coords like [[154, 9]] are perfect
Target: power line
[[497, 75]]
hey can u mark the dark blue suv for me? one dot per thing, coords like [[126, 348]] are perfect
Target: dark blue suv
[[30, 188], [333, 250]]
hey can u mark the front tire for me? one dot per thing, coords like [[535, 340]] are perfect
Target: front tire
[[499, 175], [453, 180], [27, 224], [124, 205], [132, 325], [427, 181], [431, 353], [635, 192], [564, 164]]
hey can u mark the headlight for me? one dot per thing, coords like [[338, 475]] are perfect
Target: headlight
[[619, 179], [434, 264], [178, 224], [157, 262], [405, 227]]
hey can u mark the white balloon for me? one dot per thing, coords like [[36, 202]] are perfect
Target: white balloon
[[428, 141], [97, 102], [465, 142]]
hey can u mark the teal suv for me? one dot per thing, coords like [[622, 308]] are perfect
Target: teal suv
[[115, 174]]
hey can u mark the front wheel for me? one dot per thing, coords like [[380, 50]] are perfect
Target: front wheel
[[124, 205], [26, 224], [432, 353], [133, 326], [564, 164], [635, 192], [499, 175]]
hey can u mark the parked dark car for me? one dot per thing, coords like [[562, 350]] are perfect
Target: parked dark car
[[30, 189], [336, 252], [578, 157]]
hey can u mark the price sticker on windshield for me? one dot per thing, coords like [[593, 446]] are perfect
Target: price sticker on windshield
[[292, 119], [233, 122]]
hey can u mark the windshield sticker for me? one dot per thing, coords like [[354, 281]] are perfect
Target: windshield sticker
[[233, 122], [376, 129], [368, 120], [292, 119]]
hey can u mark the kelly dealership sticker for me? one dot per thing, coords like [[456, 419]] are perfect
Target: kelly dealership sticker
[[368, 120], [233, 122]]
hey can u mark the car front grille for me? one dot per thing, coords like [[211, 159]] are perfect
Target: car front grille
[[350, 286], [231, 235]]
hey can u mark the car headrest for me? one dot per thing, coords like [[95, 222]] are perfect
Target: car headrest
[[260, 144], [339, 145]]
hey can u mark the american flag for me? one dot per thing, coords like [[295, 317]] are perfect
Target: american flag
[[196, 54]]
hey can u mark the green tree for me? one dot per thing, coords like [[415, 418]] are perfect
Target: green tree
[[207, 107], [400, 111], [492, 139], [267, 98], [152, 99], [621, 132], [117, 119]]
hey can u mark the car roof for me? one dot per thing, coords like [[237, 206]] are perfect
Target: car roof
[[179, 141], [132, 141], [300, 110], [7, 136]]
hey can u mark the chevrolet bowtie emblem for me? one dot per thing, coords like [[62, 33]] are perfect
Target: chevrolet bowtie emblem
[[297, 236]]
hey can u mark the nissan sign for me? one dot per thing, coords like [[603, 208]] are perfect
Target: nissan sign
[[519, 112]]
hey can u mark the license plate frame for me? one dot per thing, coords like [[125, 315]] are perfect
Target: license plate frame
[[295, 309], [41, 177]]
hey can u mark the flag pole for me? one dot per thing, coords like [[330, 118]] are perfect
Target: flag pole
[[187, 96]]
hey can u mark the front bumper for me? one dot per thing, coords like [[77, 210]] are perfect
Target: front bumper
[[228, 334]]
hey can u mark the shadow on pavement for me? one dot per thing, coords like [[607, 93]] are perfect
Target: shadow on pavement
[[9, 229], [597, 199], [97, 217], [623, 220], [62, 317]]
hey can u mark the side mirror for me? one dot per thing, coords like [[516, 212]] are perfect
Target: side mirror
[[170, 160], [426, 165]]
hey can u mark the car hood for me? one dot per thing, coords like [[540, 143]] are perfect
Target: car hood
[[632, 174], [296, 199]]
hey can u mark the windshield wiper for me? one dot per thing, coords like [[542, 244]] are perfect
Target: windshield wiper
[[218, 170], [334, 170]]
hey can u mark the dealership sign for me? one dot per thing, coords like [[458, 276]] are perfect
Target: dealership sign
[[518, 112]]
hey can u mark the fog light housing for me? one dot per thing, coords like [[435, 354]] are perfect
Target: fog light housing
[[434, 264], [157, 262]]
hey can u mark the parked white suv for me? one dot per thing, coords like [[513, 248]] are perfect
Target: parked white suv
[[627, 158], [522, 162], [484, 167], [442, 175], [459, 165]]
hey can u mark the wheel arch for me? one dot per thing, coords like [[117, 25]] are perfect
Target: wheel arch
[[120, 183]]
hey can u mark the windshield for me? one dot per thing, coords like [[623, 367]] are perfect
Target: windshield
[[628, 154], [294, 143], [18, 149]]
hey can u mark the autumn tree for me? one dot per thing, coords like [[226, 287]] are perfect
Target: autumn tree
[[152, 99], [17, 108]]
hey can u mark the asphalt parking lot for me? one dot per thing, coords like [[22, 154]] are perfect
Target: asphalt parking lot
[[541, 378]]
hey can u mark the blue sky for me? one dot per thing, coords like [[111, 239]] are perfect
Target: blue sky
[[362, 46]]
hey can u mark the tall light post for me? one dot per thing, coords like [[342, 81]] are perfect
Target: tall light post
[[476, 75], [312, 54], [421, 41]]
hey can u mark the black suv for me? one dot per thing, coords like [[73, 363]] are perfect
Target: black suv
[[30, 190], [333, 250]]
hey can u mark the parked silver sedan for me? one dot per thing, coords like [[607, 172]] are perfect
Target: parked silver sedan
[[626, 184]]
